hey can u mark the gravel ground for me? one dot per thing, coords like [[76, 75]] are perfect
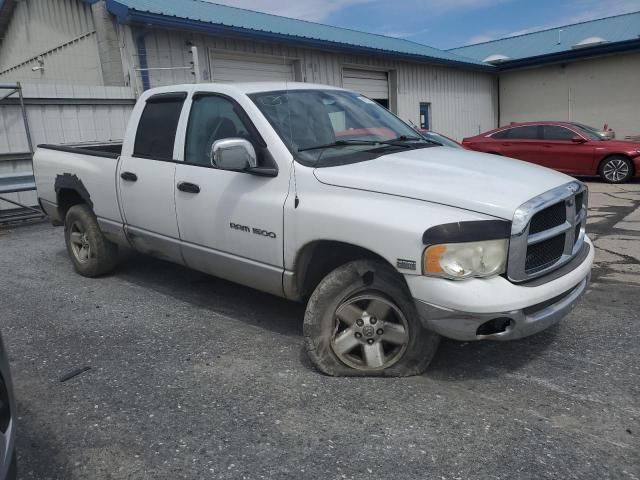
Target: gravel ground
[[194, 377]]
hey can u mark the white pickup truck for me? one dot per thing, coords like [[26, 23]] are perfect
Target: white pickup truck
[[318, 194]]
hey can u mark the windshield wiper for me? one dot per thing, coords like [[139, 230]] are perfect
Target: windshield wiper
[[338, 143], [344, 143], [404, 138]]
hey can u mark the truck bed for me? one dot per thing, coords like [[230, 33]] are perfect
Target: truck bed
[[87, 167]]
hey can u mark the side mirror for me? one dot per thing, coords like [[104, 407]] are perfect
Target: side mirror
[[233, 154], [578, 139]]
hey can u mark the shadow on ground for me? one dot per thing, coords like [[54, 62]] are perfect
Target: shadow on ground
[[454, 360]]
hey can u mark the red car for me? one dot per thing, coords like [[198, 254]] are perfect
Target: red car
[[564, 146]]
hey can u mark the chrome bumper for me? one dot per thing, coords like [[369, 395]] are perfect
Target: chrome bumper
[[521, 323]]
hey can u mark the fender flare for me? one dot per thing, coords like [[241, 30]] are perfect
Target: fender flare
[[69, 181]]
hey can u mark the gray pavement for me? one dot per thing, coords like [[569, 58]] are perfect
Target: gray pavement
[[194, 377]]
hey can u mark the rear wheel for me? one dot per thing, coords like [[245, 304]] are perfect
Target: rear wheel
[[91, 253], [616, 169], [361, 321]]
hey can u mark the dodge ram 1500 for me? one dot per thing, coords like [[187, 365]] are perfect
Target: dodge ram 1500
[[320, 195]]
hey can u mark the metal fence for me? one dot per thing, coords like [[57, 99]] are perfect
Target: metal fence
[[21, 182]]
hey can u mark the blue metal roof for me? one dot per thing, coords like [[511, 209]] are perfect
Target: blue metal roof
[[201, 15], [620, 30]]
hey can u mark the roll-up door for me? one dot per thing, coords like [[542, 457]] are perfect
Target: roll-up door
[[371, 83], [250, 69]]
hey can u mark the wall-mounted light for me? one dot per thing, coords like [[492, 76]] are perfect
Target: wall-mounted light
[[40, 65]]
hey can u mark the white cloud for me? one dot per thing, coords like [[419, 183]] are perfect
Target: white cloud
[[483, 37], [404, 34], [319, 10], [313, 10], [594, 9]]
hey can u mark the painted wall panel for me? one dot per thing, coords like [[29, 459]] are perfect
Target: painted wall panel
[[595, 92], [39, 25], [74, 63]]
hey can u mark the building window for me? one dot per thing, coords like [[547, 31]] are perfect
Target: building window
[[425, 115]]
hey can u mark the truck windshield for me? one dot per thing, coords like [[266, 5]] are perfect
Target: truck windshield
[[334, 127]]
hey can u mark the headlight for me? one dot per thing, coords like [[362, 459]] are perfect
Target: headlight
[[464, 260]]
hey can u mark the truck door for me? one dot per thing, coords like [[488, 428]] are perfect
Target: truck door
[[146, 179], [230, 223]]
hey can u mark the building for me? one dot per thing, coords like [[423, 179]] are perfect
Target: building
[[141, 44], [587, 72], [82, 63]]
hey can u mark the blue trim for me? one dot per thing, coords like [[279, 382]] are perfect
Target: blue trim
[[580, 53], [142, 57], [126, 15], [120, 11]]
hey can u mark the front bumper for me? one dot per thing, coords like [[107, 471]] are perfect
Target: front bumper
[[462, 309]]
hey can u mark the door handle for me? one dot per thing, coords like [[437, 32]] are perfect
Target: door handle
[[129, 176], [506, 144], [188, 187]]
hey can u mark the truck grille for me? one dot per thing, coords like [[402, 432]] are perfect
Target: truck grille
[[548, 218], [547, 232], [543, 254]]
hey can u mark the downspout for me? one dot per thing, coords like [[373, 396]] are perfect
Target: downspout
[[142, 57]]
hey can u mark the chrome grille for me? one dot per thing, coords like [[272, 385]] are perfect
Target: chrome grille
[[541, 255], [548, 218], [547, 232]]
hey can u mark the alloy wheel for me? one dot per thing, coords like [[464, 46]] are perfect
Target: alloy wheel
[[615, 170], [80, 243], [371, 332]]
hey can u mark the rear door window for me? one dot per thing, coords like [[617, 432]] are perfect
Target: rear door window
[[501, 135], [527, 132], [157, 127], [555, 132]]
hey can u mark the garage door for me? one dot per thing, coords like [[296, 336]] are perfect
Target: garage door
[[227, 69], [372, 84]]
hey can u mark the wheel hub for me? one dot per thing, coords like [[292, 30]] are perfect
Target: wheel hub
[[80, 245], [371, 333], [616, 170]]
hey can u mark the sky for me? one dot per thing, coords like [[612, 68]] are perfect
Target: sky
[[443, 23]]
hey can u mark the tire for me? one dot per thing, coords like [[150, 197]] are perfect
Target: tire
[[91, 253], [338, 329], [616, 169]]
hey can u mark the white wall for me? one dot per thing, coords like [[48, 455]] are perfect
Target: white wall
[[595, 91], [62, 31], [463, 102]]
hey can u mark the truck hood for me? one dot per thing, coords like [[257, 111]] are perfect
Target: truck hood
[[480, 182]]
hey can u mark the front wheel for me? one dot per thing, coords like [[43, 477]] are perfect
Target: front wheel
[[361, 321], [616, 169]]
